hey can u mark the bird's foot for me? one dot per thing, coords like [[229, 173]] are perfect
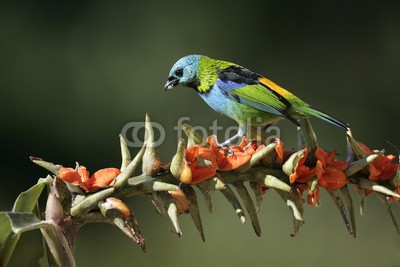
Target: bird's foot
[[224, 145], [229, 150], [247, 146]]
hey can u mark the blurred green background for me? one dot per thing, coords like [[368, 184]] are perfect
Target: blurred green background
[[73, 73]]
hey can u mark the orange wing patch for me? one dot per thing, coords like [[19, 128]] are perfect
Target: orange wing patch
[[273, 86]]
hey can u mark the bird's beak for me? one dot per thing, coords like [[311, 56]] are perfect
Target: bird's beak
[[172, 81]]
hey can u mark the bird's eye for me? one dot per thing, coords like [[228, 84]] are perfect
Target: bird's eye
[[179, 72]]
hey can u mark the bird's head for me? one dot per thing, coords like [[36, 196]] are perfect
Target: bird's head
[[183, 72]]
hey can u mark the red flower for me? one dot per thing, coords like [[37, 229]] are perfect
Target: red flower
[[279, 150], [303, 173], [216, 158], [380, 168], [200, 173], [312, 196], [100, 179], [330, 171], [182, 204], [226, 161]]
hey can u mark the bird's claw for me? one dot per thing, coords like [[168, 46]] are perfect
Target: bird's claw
[[230, 151], [223, 145]]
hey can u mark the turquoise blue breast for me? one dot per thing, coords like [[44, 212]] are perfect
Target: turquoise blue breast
[[217, 100]]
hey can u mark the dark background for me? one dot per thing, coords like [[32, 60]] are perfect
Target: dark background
[[73, 73]]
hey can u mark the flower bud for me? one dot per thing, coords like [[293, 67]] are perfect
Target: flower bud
[[123, 218], [179, 167]]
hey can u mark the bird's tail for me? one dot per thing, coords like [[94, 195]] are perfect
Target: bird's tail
[[323, 116]]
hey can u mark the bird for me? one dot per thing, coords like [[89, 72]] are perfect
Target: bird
[[241, 94]]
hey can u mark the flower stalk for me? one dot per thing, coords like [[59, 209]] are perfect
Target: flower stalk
[[75, 198]]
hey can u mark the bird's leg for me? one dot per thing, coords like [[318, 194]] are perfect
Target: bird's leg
[[240, 133], [247, 146]]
